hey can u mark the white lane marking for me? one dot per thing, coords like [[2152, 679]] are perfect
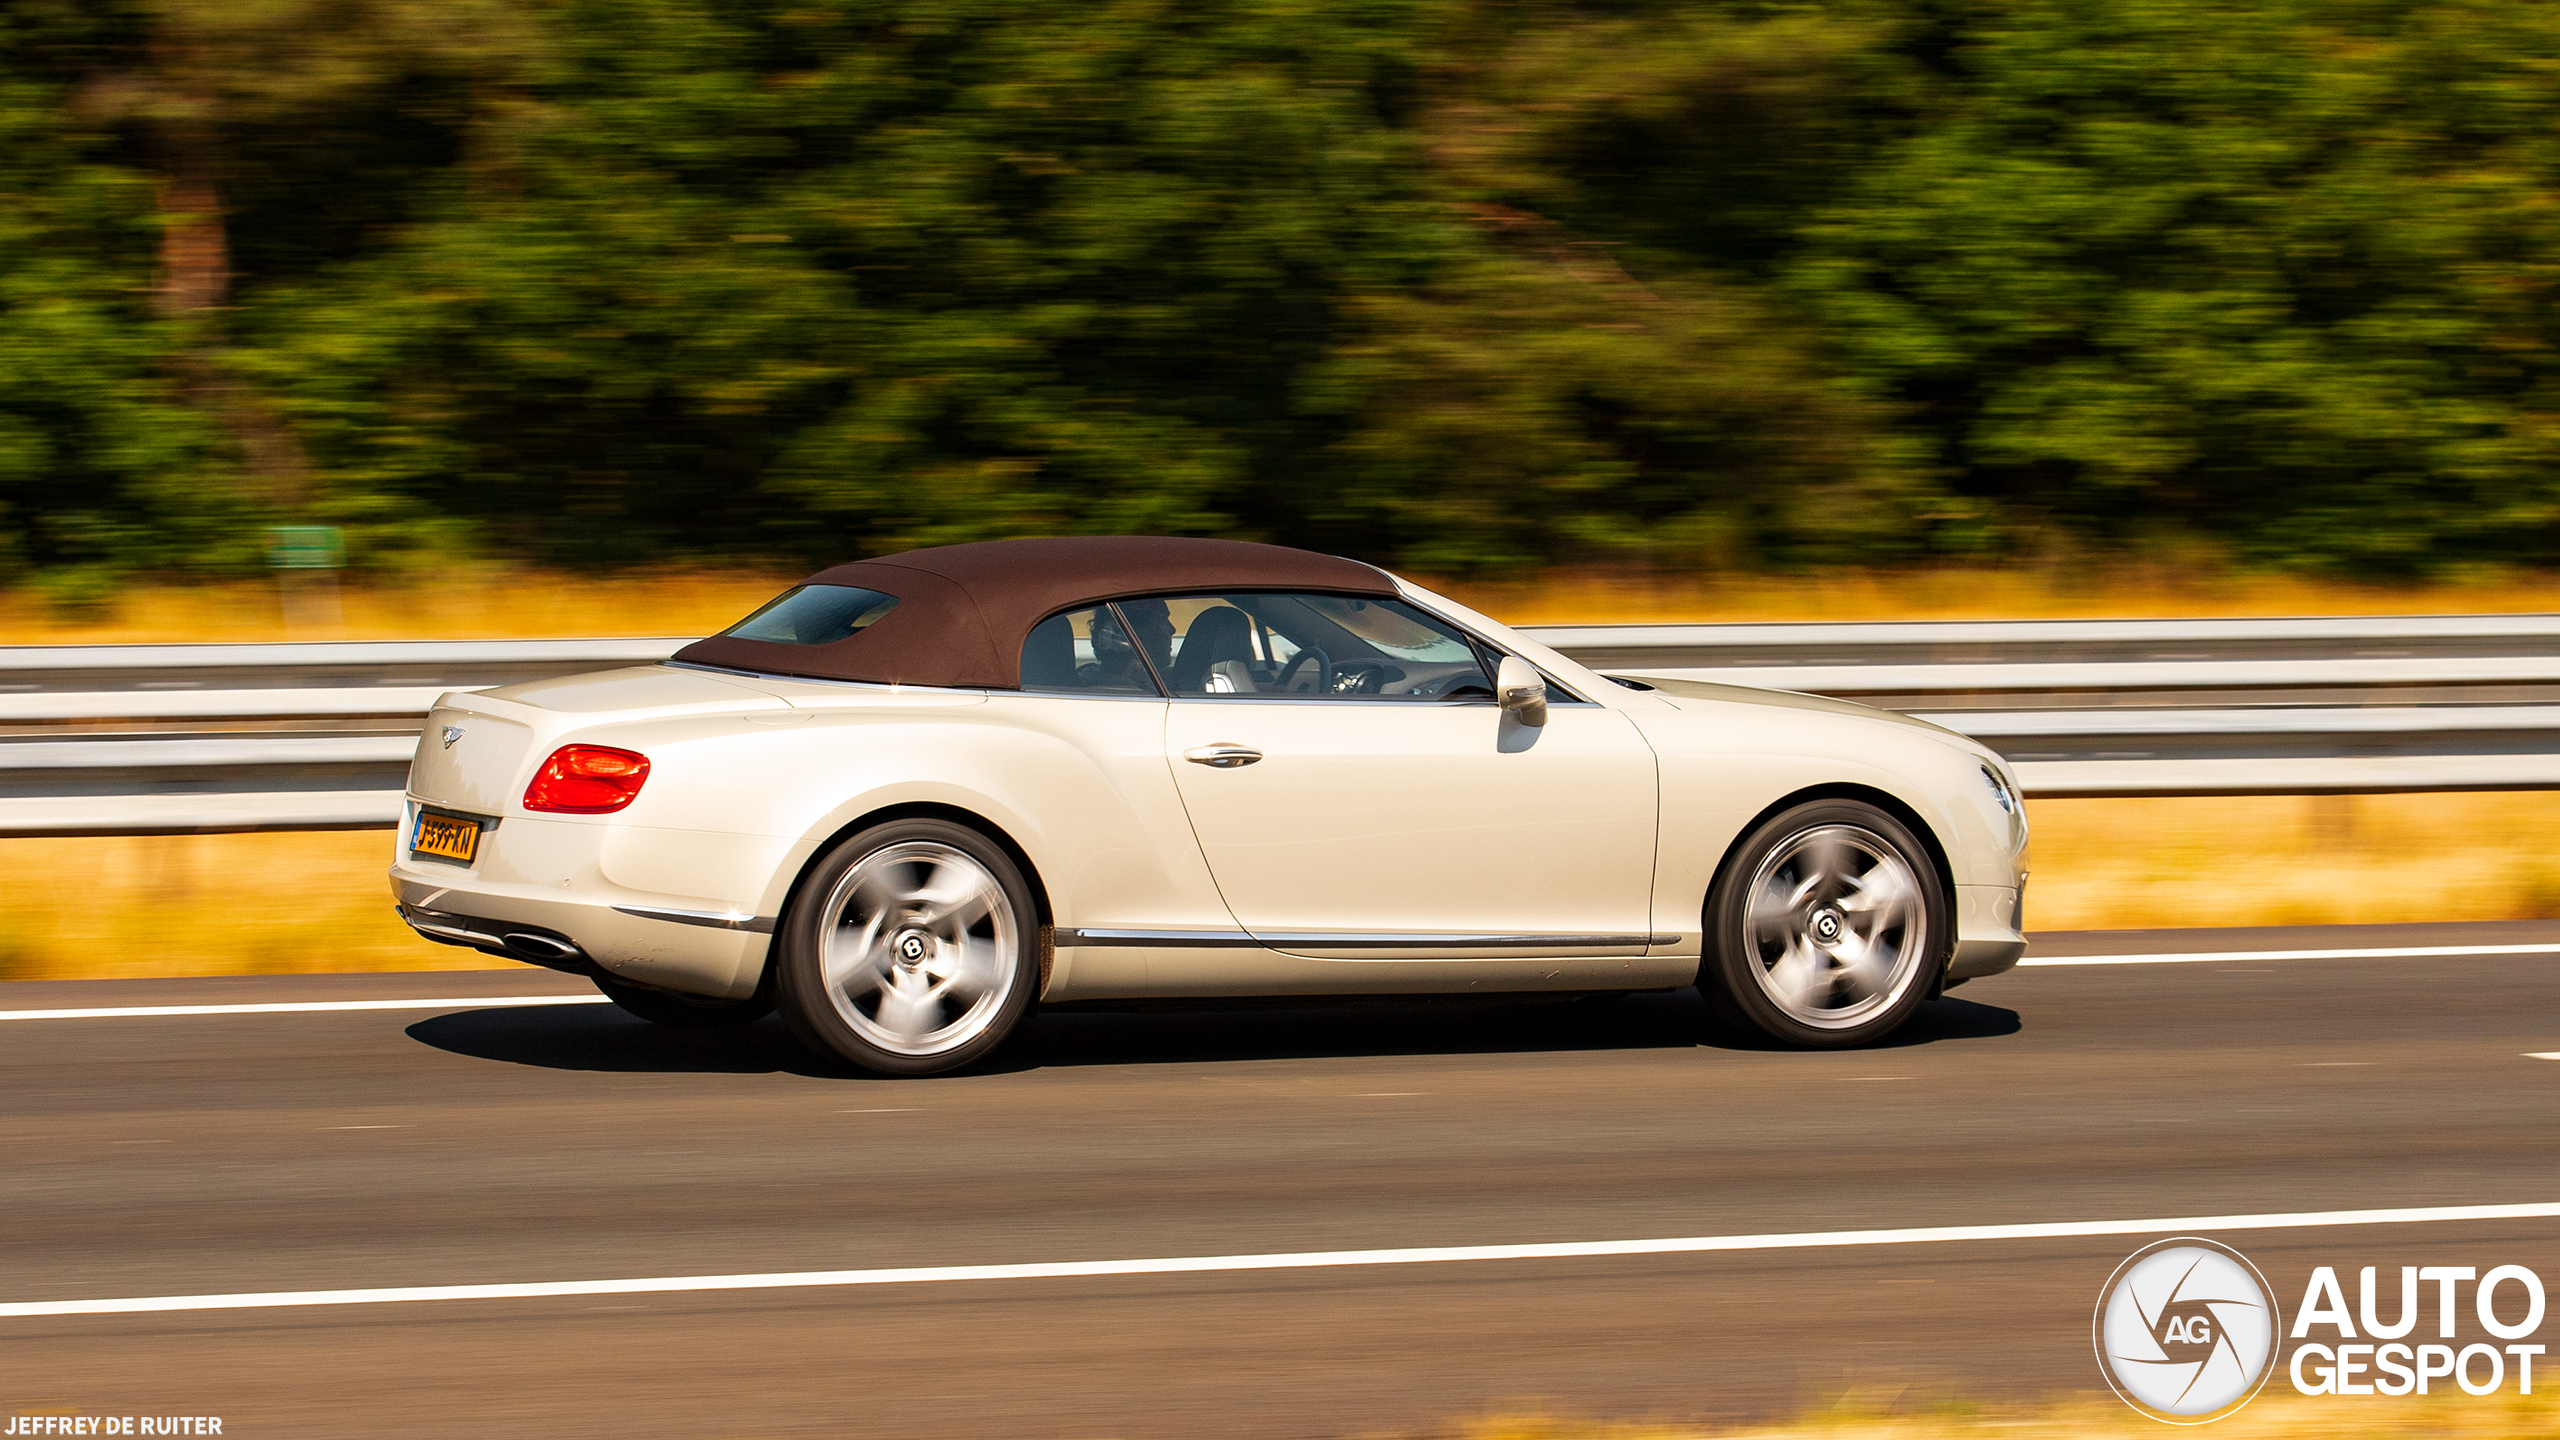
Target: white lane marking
[[464, 1002], [298, 1007], [2542, 1055], [2392, 953], [1206, 1264]]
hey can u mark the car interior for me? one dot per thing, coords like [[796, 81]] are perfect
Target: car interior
[[1295, 646]]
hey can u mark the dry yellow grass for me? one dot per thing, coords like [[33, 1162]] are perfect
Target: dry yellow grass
[[127, 906], [2325, 860], [251, 904], [490, 601], [2014, 592], [2270, 1417], [468, 601], [258, 903]]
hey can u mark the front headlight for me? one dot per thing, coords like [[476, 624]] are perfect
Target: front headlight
[[2011, 803], [2000, 790]]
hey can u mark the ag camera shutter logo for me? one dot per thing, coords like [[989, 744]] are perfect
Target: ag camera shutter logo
[[2185, 1331]]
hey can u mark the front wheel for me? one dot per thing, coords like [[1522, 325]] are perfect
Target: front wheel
[[911, 949], [1827, 927]]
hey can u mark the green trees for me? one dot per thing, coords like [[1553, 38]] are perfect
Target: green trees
[[1449, 283], [2280, 271]]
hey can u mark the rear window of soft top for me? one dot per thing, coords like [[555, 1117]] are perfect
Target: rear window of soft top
[[814, 615]]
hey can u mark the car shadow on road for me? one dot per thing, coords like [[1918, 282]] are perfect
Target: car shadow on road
[[602, 1039]]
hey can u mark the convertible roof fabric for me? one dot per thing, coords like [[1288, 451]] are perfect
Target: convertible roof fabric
[[964, 610]]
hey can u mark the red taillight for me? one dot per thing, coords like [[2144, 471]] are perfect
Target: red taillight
[[587, 780]]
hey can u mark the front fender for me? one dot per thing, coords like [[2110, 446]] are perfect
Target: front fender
[[1727, 763]]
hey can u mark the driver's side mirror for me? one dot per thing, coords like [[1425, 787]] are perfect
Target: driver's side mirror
[[1520, 689]]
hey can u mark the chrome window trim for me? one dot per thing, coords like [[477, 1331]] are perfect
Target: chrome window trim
[[1416, 702], [1558, 693]]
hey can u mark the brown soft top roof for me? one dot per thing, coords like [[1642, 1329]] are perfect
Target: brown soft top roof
[[964, 610]]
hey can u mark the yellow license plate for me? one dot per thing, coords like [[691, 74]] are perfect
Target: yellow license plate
[[445, 837]]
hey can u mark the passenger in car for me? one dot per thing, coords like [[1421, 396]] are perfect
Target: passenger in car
[[1152, 620]]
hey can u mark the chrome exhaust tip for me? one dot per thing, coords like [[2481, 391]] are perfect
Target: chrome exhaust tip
[[539, 947]]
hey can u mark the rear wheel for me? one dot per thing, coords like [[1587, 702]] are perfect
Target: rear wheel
[[1828, 925], [682, 1012], [910, 949]]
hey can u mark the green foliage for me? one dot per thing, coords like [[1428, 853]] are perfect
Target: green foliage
[[1449, 283], [2276, 271], [95, 438]]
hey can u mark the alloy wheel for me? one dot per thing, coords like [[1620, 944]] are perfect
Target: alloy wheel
[[1837, 926], [919, 945]]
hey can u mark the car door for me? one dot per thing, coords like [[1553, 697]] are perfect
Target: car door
[[1358, 794]]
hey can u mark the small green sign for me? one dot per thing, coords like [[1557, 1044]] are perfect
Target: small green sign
[[305, 547]]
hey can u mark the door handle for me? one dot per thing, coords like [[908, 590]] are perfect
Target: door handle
[[1224, 755]]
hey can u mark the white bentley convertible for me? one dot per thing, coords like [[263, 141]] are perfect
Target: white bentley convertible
[[915, 796]]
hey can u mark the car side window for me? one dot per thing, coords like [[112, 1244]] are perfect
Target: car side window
[[1084, 652], [1305, 647]]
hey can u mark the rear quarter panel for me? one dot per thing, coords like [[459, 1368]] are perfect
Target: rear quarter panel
[[1081, 785]]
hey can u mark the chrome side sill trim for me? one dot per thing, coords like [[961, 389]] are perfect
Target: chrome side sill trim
[[1189, 939], [1309, 940], [714, 919], [1318, 940]]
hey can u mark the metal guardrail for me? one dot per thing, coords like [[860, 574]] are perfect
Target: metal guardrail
[[155, 739]]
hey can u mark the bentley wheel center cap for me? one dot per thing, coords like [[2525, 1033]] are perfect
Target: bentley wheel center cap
[[911, 947], [1826, 926]]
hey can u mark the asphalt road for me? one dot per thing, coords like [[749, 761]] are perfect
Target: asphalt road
[[492, 1143]]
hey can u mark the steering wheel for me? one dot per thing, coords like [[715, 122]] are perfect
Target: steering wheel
[[1324, 671]]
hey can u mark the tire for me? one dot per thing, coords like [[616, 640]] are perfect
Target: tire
[[683, 1012], [1828, 926], [909, 949]]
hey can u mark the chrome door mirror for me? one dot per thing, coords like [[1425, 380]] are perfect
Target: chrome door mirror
[[1520, 689]]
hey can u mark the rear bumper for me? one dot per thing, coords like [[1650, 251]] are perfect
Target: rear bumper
[[686, 955], [674, 909], [529, 943]]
